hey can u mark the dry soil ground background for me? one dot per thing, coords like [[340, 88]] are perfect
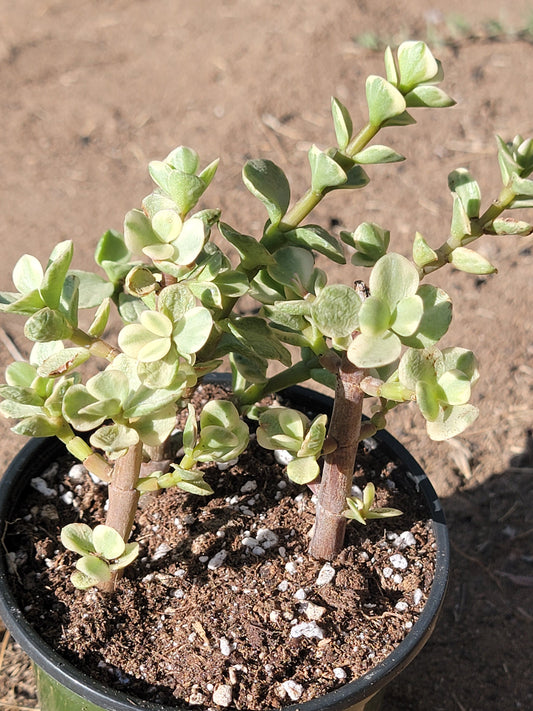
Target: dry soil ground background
[[91, 90]]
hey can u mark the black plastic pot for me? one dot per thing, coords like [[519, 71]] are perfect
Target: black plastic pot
[[63, 687]]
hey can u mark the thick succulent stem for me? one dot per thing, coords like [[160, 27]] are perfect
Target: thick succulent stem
[[123, 499], [337, 475]]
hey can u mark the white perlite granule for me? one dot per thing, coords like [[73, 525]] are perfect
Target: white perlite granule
[[307, 629], [39, 484], [326, 574], [293, 690], [398, 561], [217, 560], [266, 538], [223, 695]]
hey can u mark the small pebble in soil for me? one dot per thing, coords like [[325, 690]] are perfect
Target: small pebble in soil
[[266, 538], [404, 540], [39, 484], [300, 594], [398, 561], [217, 560], [339, 673], [307, 629], [226, 647], [401, 606], [249, 486], [313, 612], [326, 574], [223, 695], [290, 567], [222, 466], [282, 457], [68, 498], [293, 690], [283, 586], [417, 596], [77, 472], [196, 698], [161, 551]]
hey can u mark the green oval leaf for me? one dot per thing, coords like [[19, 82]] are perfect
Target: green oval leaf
[[342, 122], [167, 225], [428, 96], [138, 232], [94, 568], [303, 470], [469, 261], [192, 331], [408, 314], [418, 366], [455, 387], [435, 320], [268, 182], [38, 426], [335, 312], [384, 100], [427, 398], [114, 438], [108, 542], [47, 325], [27, 274], [452, 420], [55, 273], [325, 172], [131, 551], [377, 154], [416, 64], [422, 252], [252, 253], [374, 351], [317, 238], [63, 362], [374, 316], [393, 278], [78, 537], [463, 184], [190, 241]]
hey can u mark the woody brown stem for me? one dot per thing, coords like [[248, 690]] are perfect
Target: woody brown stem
[[337, 476], [123, 499]]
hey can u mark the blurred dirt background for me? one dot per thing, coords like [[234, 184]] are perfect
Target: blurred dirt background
[[91, 91]]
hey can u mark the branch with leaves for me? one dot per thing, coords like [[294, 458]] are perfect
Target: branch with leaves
[[176, 292]]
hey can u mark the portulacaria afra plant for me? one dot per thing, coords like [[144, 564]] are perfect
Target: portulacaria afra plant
[[177, 294]]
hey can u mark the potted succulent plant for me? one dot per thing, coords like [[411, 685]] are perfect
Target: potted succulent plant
[[178, 296]]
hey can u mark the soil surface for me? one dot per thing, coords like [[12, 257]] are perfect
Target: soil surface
[[224, 606], [91, 91]]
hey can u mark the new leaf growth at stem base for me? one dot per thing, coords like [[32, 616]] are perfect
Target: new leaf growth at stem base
[[373, 337]]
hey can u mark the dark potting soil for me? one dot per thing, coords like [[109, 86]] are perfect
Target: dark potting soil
[[224, 607]]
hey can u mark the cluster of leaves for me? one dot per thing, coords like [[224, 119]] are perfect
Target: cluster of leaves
[[221, 438], [176, 292], [285, 429], [362, 509], [102, 551]]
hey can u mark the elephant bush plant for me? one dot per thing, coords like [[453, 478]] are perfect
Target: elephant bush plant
[[177, 293]]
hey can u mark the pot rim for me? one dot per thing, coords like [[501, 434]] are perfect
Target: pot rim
[[339, 699]]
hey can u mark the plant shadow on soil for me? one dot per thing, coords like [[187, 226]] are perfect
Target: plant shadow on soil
[[479, 655]]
